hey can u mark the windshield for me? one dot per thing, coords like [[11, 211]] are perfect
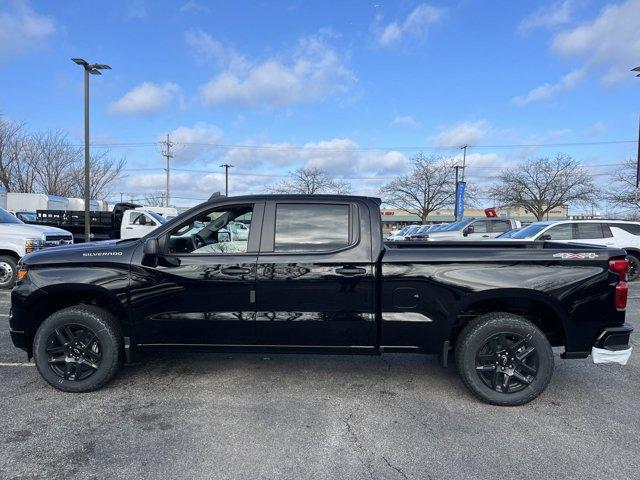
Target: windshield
[[457, 225], [157, 216], [530, 231], [6, 217], [424, 228], [27, 216]]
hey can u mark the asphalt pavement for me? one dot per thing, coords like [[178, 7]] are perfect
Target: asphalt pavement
[[258, 416]]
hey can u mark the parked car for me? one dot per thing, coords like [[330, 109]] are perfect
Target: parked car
[[422, 232], [472, 229], [609, 233], [296, 285], [402, 235], [17, 239], [24, 216]]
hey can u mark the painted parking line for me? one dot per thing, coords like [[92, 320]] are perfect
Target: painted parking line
[[17, 364]]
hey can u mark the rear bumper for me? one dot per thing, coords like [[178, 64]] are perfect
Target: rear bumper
[[612, 346], [614, 338]]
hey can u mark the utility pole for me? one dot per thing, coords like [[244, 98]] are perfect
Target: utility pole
[[226, 178], [464, 159], [166, 152]]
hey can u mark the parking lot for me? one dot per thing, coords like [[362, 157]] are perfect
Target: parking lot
[[295, 416]]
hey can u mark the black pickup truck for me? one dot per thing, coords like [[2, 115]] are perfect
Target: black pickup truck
[[313, 275]]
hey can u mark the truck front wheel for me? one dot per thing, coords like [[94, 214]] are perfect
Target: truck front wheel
[[77, 349], [504, 359], [8, 271]]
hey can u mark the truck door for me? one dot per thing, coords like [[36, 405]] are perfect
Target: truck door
[[136, 224], [315, 278], [202, 291]]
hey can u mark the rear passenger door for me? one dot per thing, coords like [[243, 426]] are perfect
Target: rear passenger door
[[315, 278], [593, 234], [480, 230]]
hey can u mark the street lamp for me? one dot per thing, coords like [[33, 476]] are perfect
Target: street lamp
[[93, 69]]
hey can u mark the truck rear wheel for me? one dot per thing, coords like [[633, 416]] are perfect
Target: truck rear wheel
[[634, 268], [504, 359], [8, 271], [77, 349]]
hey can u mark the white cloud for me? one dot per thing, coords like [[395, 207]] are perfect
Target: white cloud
[[595, 129], [22, 29], [463, 133], [405, 121], [147, 98], [194, 7], [548, 90], [415, 25], [550, 16], [608, 47], [193, 143], [313, 72], [204, 45], [609, 44]]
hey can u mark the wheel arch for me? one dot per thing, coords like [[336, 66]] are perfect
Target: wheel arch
[[541, 309], [62, 296], [10, 253]]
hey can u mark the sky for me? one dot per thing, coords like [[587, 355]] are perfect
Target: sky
[[353, 87]]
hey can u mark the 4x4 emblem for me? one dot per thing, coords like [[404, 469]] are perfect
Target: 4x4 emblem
[[576, 256]]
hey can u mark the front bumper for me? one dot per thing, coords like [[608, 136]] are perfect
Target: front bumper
[[612, 346]]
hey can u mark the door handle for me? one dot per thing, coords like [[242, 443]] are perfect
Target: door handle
[[485, 236], [235, 270], [350, 271], [129, 228]]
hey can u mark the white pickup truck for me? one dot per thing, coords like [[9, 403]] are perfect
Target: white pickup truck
[[18, 238], [127, 220], [472, 229]]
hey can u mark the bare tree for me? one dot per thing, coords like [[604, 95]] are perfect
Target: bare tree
[[155, 199], [11, 145], [103, 172], [54, 156], [311, 181], [429, 186], [543, 184], [624, 193]]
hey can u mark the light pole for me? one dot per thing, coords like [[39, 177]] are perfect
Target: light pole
[[226, 178], [93, 69]]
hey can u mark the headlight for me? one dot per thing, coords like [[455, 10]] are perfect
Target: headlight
[[22, 274], [33, 244]]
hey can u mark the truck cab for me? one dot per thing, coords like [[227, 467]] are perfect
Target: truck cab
[[138, 222]]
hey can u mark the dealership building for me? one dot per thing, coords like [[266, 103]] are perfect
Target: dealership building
[[393, 219]]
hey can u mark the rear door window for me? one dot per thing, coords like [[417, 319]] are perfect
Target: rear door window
[[500, 226], [311, 227], [589, 231], [480, 226]]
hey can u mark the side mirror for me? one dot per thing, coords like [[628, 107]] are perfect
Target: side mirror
[[467, 230], [143, 220], [546, 236], [150, 251]]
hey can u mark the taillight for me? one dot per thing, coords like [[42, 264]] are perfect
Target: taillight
[[621, 267]]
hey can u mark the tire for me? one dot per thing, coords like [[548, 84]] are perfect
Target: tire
[[529, 370], [90, 359], [8, 271], [634, 268]]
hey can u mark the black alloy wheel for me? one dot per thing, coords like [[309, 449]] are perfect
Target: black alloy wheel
[[507, 362], [79, 348], [504, 359], [74, 352]]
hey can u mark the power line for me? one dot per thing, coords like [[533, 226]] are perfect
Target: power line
[[362, 148]]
